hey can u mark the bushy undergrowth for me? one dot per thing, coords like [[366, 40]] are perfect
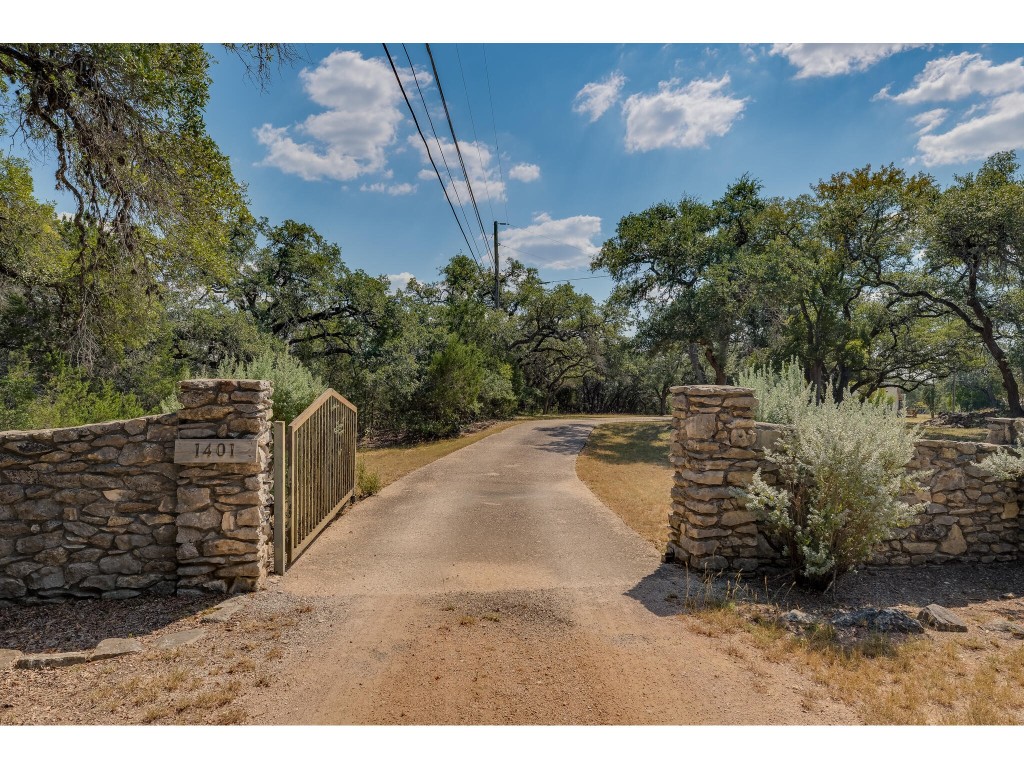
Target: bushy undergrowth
[[295, 386], [66, 397], [1004, 465], [842, 474], [780, 394], [368, 482]]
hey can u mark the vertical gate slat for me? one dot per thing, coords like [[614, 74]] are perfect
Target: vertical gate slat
[[320, 460]]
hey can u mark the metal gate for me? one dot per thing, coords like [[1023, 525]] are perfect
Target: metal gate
[[314, 473]]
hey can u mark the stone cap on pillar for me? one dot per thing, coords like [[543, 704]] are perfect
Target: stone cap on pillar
[[704, 390]]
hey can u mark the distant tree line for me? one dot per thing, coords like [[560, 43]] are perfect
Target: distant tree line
[[874, 278]]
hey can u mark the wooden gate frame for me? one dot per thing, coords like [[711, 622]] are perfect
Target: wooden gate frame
[[286, 549]]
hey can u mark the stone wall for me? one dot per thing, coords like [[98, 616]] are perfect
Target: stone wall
[[102, 510], [225, 511], [88, 511], [968, 518]]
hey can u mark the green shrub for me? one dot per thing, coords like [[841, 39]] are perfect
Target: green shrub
[[780, 394], [1004, 465], [451, 390], [497, 393], [368, 482], [295, 386], [841, 478], [66, 398]]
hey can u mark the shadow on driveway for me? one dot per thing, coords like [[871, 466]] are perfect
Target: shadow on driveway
[[567, 439]]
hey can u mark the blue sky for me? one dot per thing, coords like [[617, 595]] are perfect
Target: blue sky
[[586, 133]]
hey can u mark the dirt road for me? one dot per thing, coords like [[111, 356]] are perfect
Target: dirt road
[[492, 587]]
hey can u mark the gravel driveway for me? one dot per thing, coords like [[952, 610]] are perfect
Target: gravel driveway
[[491, 586]]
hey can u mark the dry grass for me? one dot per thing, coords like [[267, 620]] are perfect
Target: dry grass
[[961, 680], [968, 679], [626, 466], [390, 464], [965, 434]]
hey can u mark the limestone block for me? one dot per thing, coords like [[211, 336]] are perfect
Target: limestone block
[[737, 517], [709, 492], [57, 556], [948, 480], [206, 521], [224, 547], [743, 438], [139, 581], [132, 541], [695, 547], [76, 572], [740, 478], [248, 570], [701, 426], [713, 477], [30, 545], [22, 568], [86, 555], [706, 533], [11, 493], [954, 543], [126, 563], [49, 577], [39, 509], [11, 588]]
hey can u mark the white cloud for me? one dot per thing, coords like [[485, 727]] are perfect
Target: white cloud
[[392, 189], [350, 137], [1000, 128], [524, 172], [930, 120], [595, 99], [830, 59], [483, 172], [680, 116], [958, 76], [400, 281], [555, 243]]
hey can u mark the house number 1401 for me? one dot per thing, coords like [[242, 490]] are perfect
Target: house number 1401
[[222, 449], [214, 451]]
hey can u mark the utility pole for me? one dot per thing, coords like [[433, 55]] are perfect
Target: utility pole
[[497, 285]]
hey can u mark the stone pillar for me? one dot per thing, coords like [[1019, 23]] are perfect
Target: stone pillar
[[224, 511], [1004, 431], [714, 452]]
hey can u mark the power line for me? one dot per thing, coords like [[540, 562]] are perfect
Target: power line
[[572, 279], [494, 125], [440, 148], [429, 154], [472, 122], [458, 151]]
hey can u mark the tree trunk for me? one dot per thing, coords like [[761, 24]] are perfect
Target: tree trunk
[[718, 366], [1009, 380], [696, 364]]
